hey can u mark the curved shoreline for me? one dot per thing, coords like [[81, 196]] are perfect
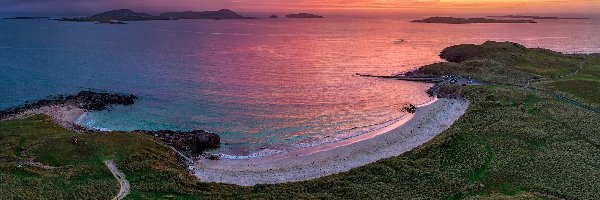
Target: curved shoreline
[[338, 140], [310, 163]]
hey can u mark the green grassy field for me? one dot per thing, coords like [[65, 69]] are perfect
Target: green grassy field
[[513, 142]]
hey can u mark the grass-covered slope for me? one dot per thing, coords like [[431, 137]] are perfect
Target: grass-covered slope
[[77, 171], [518, 139]]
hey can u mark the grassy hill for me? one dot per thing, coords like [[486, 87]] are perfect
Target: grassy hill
[[530, 132]]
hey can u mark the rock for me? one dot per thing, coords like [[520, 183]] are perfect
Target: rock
[[273, 16], [213, 157], [86, 100], [192, 143], [410, 108], [206, 140]]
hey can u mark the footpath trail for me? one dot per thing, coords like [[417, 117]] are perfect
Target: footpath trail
[[124, 191], [581, 66]]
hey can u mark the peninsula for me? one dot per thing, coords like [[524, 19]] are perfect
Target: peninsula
[[455, 20]]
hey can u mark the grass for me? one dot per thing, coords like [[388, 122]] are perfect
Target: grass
[[583, 89], [513, 142], [81, 173]]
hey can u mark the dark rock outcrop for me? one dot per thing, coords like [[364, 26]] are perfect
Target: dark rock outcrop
[[273, 16], [193, 143], [303, 15], [87, 100], [410, 108], [455, 20]]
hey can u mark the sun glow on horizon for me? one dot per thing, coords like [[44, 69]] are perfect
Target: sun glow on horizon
[[422, 6]]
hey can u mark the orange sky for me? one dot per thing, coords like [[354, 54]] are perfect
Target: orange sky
[[588, 6], [408, 6]]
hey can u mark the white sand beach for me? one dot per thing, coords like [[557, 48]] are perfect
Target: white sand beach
[[310, 163], [64, 115]]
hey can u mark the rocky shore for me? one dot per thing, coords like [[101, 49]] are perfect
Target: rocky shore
[[190, 143], [86, 100]]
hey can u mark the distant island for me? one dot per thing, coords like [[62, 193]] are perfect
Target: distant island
[[27, 18], [118, 16], [533, 17], [303, 15], [220, 14], [455, 20]]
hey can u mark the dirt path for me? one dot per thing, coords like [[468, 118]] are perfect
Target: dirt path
[[124, 191], [579, 68]]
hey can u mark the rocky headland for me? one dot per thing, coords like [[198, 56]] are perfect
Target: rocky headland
[[86, 100], [456, 20]]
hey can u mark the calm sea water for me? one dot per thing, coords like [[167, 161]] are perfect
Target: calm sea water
[[263, 85]]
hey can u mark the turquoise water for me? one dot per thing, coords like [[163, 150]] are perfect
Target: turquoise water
[[263, 85]]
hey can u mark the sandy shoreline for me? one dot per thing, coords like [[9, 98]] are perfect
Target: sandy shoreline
[[64, 115], [310, 163]]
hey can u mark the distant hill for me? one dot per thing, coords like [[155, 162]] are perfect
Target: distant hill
[[303, 15], [129, 15], [454, 20], [122, 15]]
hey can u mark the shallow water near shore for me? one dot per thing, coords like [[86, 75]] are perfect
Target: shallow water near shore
[[263, 85]]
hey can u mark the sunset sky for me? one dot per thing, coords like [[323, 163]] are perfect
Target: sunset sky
[[412, 6]]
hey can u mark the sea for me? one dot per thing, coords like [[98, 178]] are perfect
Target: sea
[[266, 86]]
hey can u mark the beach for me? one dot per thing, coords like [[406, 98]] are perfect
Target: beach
[[407, 133], [310, 163], [64, 115]]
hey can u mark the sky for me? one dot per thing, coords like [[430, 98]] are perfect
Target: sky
[[84, 7]]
